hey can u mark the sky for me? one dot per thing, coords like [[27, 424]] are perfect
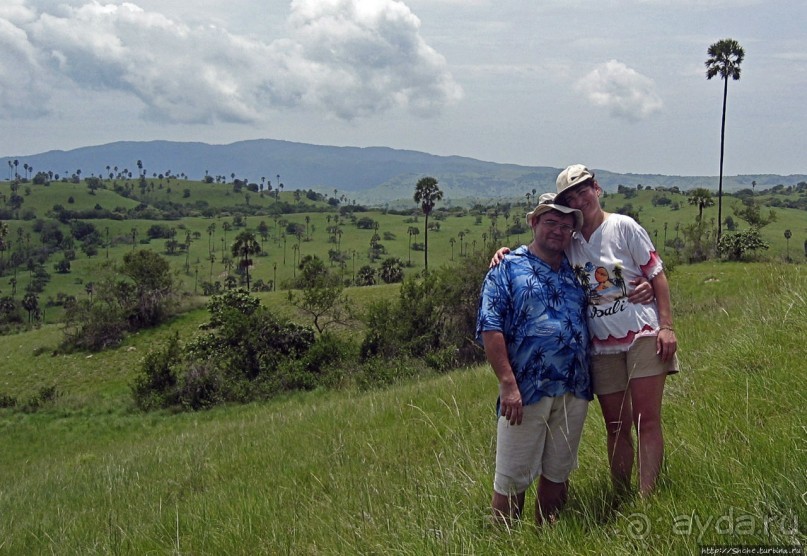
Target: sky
[[618, 85]]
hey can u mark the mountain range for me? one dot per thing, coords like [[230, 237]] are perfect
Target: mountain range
[[371, 175]]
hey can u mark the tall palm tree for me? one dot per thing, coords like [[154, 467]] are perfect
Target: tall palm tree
[[427, 194], [701, 198], [412, 231], [725, 57], [3, 235], [245, 247], [788, 235]]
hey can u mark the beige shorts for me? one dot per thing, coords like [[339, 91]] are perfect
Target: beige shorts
[[545, 443], [611, 372]]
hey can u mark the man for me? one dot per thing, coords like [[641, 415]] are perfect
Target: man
[[532, 324]]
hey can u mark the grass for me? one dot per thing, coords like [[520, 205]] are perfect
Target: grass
[[281, 254], [408, 469]]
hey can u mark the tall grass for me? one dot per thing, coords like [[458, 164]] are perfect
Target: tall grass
[[408, 469]]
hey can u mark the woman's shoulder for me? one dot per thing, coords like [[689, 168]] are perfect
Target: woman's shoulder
[[622, 223], [622, 220]]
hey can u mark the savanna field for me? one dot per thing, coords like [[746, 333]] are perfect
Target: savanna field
[[406, 469]]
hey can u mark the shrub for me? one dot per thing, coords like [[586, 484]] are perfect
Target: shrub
[[735, 245], [391, 270], [92, 327], [156, 386], [201, 387], [434, 314], [246, 354]]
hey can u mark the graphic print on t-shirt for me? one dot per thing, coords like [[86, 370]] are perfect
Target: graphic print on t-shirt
[[608, 288]]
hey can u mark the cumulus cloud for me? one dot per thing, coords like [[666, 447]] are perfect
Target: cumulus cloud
[[626, 93], [22, 93], [347, 58]]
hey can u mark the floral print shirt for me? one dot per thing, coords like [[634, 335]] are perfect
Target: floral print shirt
[[541, 313]]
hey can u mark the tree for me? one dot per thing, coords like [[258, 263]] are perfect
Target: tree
[[725, 57], [366, 276], [321, 296], [3, 236], [245, 247], [427, 194], [750, 212], [153, 286], [701, 198], [788, 235], [30, 303], [412, 231], [391, 270]]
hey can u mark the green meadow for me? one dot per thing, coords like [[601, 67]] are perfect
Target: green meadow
[[461, 232], [407, 469]]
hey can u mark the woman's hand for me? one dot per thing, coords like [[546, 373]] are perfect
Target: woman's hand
[[666, 343], [498, 256]]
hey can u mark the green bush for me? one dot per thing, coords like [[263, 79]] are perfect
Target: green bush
[[201, 387], [93, 326], [736, 245], [433, 318], [156, 386], [245, 354], [7, 401]]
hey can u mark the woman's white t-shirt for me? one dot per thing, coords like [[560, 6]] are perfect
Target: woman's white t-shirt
[[617, 252]]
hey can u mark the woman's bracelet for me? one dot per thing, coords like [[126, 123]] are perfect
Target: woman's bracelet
[[670, 328]]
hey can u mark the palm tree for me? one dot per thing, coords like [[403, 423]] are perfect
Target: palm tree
[[788, 235], [245, 247], [226, 226], [701, 198], [30, 303], [211, 229], [725, 57], [427, 194], [412, 231], [3, 235], [461, 235]]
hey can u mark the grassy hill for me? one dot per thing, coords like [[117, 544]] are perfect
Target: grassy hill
[[461, 231], [408, 469]]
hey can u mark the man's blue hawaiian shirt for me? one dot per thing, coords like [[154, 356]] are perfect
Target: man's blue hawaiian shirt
[[542, 316]]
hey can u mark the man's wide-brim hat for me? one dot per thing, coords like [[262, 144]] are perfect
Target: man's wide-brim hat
[[572, 176], [546, 203]]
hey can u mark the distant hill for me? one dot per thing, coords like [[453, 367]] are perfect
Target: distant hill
[[372, 175]]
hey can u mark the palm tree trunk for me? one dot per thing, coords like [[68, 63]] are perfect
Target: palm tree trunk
[[426, 244], [722, 145]]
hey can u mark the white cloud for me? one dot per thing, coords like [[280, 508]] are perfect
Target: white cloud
[[626, 93], [347, 58], [22, 92], [362, 56]]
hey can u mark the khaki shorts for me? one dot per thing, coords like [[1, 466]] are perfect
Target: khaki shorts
[[611, 372], [545, 443]]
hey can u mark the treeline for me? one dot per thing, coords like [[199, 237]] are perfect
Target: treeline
[[247, 353]]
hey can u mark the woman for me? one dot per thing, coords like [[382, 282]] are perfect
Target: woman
[[633, 345]]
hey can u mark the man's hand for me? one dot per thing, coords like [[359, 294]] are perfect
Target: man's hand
[[643, 292], [510, 402]]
